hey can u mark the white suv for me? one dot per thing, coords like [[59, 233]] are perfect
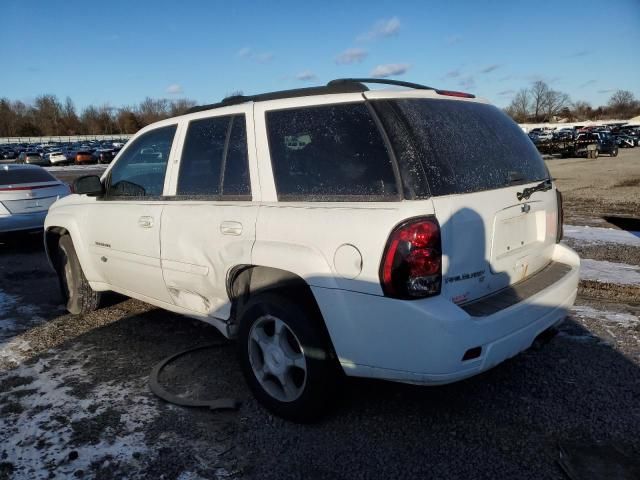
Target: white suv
[[407, 234]]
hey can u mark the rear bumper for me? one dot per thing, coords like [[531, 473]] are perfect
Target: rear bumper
[[424, 341], [22, 222]]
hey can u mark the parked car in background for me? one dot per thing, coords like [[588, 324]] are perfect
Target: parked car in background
[[26, 193], [104, 155], [83, 157], [607, 143], [32, 157], [564, 134], [625, 141], [8, 154], [56, 158]]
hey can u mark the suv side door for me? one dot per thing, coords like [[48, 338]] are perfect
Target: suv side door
[[123, 226], [208, 227]]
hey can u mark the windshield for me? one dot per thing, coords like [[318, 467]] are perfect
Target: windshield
[[449, 147]]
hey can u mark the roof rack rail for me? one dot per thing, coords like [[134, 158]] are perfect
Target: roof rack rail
[[340, 87], [398, 83]]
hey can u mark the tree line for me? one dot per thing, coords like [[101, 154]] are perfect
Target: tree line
[[49, 116], [540, 103]]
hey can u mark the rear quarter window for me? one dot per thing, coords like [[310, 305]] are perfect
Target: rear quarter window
[[329, 153], [449, 147]]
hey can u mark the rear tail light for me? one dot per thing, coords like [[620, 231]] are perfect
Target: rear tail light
[[412, 262], [559, 230]]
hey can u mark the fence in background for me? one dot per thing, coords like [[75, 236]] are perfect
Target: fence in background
[[63, 138]]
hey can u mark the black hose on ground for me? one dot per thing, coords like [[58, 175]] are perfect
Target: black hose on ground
[[217, 404]]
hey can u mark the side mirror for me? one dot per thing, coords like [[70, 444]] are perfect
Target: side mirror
[[88, 185]]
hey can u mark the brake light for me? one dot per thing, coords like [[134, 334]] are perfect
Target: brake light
[[559, 229], [412, 262], [452, 93], [33, 187]]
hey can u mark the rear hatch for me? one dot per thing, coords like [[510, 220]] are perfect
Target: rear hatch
[[25, 190], [475, 163]]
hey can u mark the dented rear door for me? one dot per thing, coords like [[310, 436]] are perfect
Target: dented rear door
[[208, 226]]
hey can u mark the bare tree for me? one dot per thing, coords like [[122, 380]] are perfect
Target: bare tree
[[582, 110], [623, 103], [554, 103], [520, 106], [180, 106], [539, 99], [47, 112]]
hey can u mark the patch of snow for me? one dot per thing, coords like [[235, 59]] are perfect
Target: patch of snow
[[609, 272], [599, 236], [619, 318], [14, 352], [38, 440]]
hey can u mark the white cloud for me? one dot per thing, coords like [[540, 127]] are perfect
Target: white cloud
[[174, 89], [249, 54], [351, 55], [383, 28], [265, 57], [244, 52], [306, 76], [390, 69]]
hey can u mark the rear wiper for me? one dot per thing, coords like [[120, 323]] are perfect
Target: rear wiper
[[527, 192], [516, 178]]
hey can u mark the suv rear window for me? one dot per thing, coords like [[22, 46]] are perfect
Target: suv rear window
[[329, 153], [24, 175], [457, 147]]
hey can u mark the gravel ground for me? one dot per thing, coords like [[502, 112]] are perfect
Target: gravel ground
[[74, 398], [594, 188]]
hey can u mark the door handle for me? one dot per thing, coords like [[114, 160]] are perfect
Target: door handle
[[231, 228], [145, 222]]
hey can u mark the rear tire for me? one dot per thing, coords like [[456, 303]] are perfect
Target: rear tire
[[614, 152], [286, 358], [78, 295]]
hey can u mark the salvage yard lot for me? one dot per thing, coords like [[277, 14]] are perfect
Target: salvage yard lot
[[74, 398]]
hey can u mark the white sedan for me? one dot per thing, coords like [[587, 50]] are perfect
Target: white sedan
[[26, 193]]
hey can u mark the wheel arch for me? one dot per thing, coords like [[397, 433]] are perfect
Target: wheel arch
[[57, 225], [247, 281]]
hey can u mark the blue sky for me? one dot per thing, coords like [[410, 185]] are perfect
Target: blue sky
[[119, 52]]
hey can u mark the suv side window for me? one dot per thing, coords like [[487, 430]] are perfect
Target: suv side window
[[329, 153], [140, 171], [214, 159]]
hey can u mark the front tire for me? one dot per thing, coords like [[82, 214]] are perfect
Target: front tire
[[286, 358], [78, 295]]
